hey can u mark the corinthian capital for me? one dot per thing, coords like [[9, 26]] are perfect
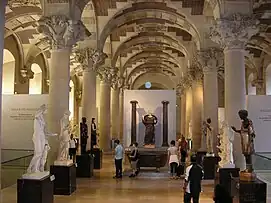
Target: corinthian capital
[[210, 59], [61, 31], [234, 30], [107, 74]]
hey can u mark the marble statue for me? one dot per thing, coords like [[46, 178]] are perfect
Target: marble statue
[[149, 121], [64, 138], [247, 134], [226, 136], [209, 136], [40, 140]]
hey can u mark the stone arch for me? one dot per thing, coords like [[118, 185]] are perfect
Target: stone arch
[[127, 15]]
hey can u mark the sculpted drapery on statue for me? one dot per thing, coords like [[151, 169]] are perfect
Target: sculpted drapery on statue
[[61, 31], [64, 138], [40, 140], [149, 121]]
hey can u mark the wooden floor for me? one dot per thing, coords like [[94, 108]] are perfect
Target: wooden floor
[[149, 186]]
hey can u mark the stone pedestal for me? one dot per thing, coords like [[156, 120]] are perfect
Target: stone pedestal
[[165, 123], [225, 175], [209, 167], [84, 166], [65, 179], [38, 191], [250, 192], [98, 158], [200, 156], [133, 122]]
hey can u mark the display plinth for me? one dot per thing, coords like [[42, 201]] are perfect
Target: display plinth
[[200, 155], [155, 158], [250, 192], [36, 191], [36, 176], [247, 176], [85, 164], [65, 179], [209, 167], [225, 175], [63, 163], [98, 157]]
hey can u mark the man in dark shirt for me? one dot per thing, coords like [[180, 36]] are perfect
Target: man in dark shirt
[[192, 185], [84, 135]]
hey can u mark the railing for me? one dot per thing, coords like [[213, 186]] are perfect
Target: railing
[[13, 165]]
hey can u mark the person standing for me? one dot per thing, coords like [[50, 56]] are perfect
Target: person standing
[[84, 135], [134, 160], [93, 133], [72, 150], [173, 159], [183, 149], [118, 159], [192, 184]]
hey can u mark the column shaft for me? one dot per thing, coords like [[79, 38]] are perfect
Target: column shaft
[[105, 90], [121, 116], [197, 102], [2, 25], [183, 114], [89, 99], [98, 100], [235, 97], [210, 101], [188, 113], [58, 95], [165, 123], [115, 113]]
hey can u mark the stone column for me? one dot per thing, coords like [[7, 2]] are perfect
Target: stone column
[[63, 34], [2, 25], [121, 114], [188, 113], [115, 110], [232, 33], [165, 123], [183, 114], [197, 104], [105, 117], [210, 60], [133, 121]]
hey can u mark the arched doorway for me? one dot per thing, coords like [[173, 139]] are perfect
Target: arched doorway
[[71, 100], [8, 73], [251, 90], [35, 84]]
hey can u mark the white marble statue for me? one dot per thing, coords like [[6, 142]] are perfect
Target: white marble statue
[[64, 139], [209, 137], [190, 130], [226, 136], [41, 145]]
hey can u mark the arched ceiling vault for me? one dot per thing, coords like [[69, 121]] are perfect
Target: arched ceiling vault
[[146, 11]]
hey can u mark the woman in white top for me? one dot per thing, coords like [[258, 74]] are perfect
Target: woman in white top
[[173, 159], [72, 150]]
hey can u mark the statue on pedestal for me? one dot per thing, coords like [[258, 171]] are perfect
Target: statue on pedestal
[[190, 130], [84, 135], [40, 140], [247, 134], [209, 136], [149, 121], [64, 138]]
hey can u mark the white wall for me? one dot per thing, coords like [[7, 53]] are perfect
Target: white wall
[[17, 119], [149, 100], [8, 78], [259, 111]]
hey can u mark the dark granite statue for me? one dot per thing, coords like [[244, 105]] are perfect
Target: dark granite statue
[[149, 121], [84, 135]]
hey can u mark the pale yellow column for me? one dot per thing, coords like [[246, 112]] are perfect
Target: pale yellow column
[[58, 95], [115, 121], [197, 105], [98, 99], [89, 98], [188, 112], [105, 90], [121, 106], [2, 24], [183, 114]]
